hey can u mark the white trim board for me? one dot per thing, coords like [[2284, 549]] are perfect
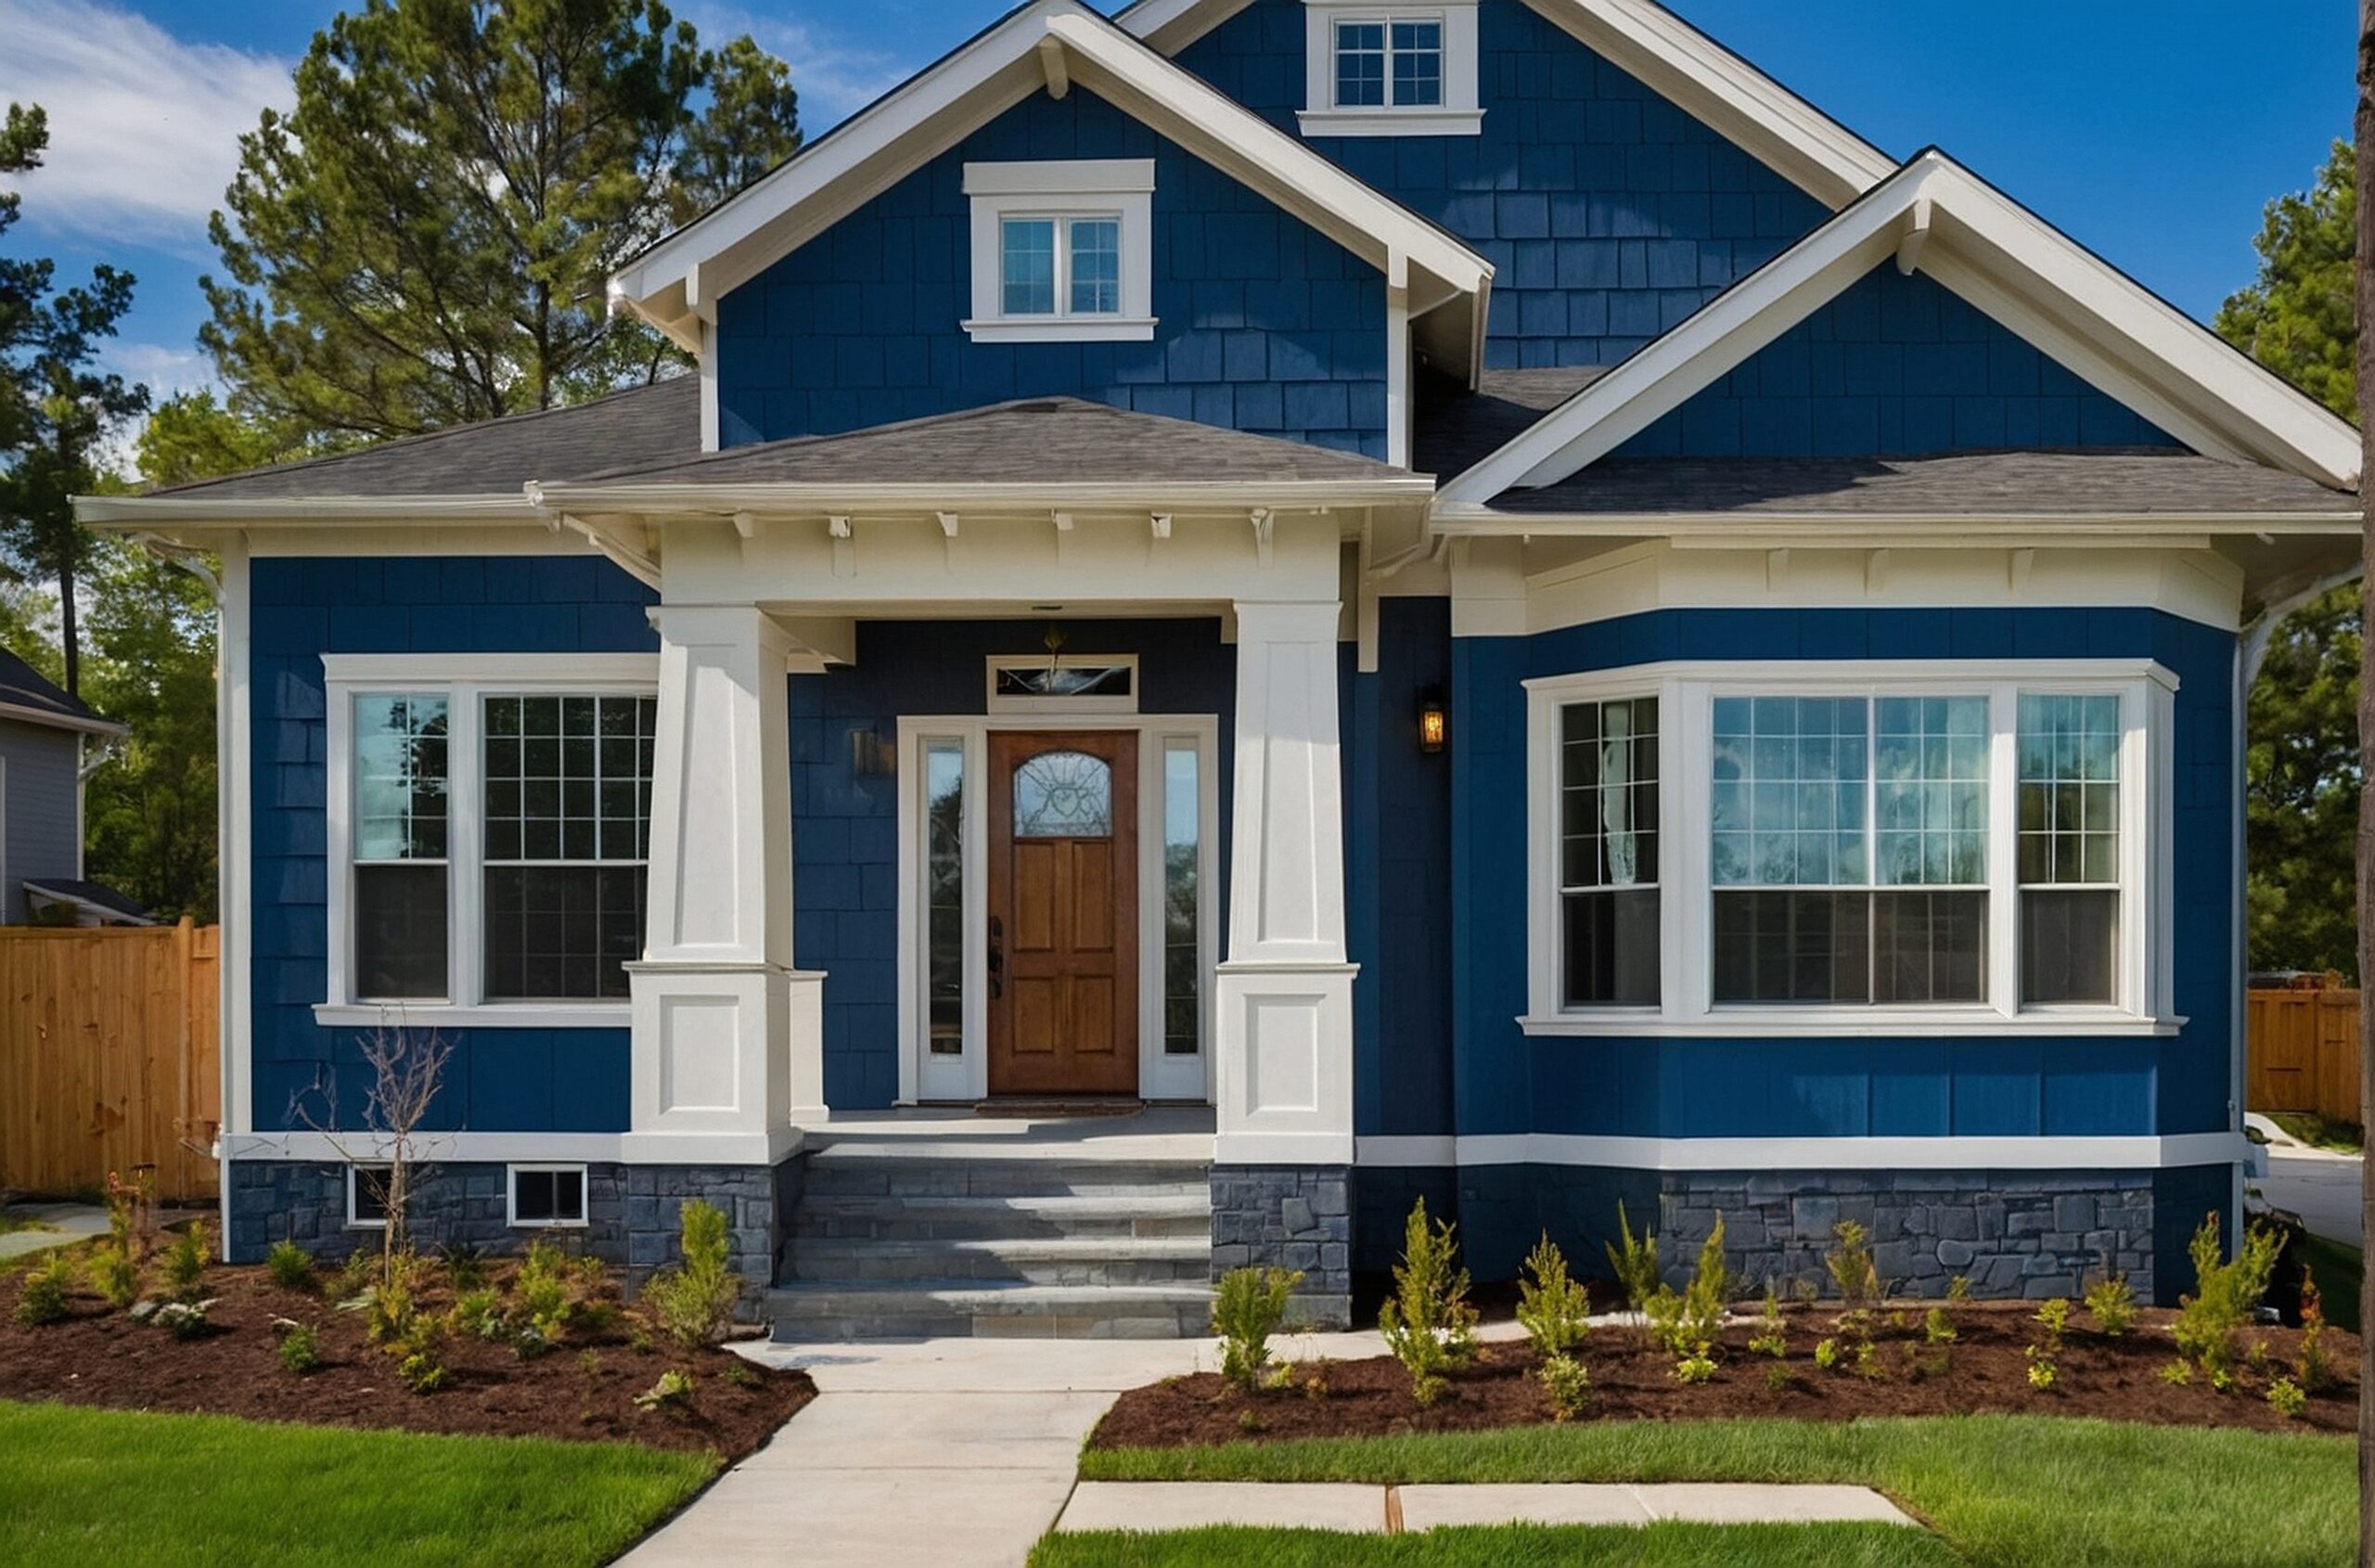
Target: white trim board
[[1981, 246], [493, 1148], [1765, 1155], [1456, 114]]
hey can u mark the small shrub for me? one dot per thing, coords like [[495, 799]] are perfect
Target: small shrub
[[479, 1312], [115, 1275], [290, 1267], [421, 1372], [183, 1319], [1705, 1299], [1696, 1367], [2054, 1316], [2042, 1375], [47, 1291], [2111, 1301], [674, 1388], [737, 1372], [542, 1287], [1851, 1266], [1636, 1262], [1567, 1383], [1938, 1328], [1429, 1324], [1827, 1354], [2045, 1357], [695, 1302], [389, 1310], [185, 1262], [1248, 1306], [1772, 1336], [640, 1340], [465, 1265], [2227, 1297], [1554, 1309], [1778, 1378], [301, 1349], [2313, 1369], [132, 1208], [417, 1363], [1959, 1289], [354, 1275], [2177, 1373], [2287, 1399], [528, 1341], [1249, 1419], [1868, 1361]]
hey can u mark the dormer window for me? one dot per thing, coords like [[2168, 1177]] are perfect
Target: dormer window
[[1390, 70], [1062, 250]]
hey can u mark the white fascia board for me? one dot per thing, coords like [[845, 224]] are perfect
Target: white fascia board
[[1663, 376], [1666, 54], [1766, 530], [761, 500], [22, 714], [2066, 302], [123, 514]]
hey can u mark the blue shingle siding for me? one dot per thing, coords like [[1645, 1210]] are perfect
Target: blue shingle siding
[[1265, 325], [845, 825], [1609, 214], [497, 1080], [1853, 1086], [1893, 365]]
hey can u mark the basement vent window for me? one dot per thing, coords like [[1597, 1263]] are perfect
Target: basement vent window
[[367, 1196], [547, 1195]]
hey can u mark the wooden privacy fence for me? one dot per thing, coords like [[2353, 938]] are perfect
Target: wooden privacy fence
[[2303, 1051], [108, 1057]]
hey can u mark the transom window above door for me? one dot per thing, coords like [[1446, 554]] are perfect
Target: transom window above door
[[1973, 848], [1390, 69], [1062, 250]]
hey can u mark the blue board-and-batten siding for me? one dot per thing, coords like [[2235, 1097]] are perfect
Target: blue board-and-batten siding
[[497, 1080], [845, 822], [1609, 214], [1893, 365], [1854, 1085], [1265, 325]]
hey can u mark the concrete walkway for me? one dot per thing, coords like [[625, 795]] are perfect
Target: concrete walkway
[[65, 1222], [961, 1453], [2319, 1185]]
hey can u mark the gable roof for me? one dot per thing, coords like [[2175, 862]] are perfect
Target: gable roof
[[1045, 448], [1665, 53], [1936, 216], [29, 696], [675, 283]]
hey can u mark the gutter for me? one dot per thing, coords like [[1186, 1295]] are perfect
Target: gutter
[[144, 513], [780, 499], [1472, 520]]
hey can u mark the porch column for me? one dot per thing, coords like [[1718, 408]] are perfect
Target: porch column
[[723, 1037], [1284, 995]]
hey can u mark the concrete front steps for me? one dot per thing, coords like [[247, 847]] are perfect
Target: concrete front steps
[[891, 1242]]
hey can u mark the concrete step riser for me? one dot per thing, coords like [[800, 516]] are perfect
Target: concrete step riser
[[1149, 1322], [890, 1267], [1000, 1178]]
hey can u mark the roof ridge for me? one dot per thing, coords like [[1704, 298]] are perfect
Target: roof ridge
[[420, 438]]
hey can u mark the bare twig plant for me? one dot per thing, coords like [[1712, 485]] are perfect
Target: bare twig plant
[[406, 1068]]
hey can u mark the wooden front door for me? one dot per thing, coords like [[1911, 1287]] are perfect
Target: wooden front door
[[1064, 816]]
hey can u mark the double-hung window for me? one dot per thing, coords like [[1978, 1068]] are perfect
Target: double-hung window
[[490, 822], [1062, 250], [1390, 69], [1965, 847]]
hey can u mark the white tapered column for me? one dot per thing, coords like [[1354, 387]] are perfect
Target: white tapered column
[[717, 1028], [1284, 995]]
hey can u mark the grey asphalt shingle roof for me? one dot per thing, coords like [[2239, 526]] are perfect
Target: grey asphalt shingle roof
[[98, 894], [653, 424], [2121, 481], [1033, 441], [1458, 428], [22, 686]]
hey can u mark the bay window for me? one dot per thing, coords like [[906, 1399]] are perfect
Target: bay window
[[1959, 848], [489, 824]]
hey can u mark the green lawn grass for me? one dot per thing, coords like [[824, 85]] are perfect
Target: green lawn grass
[[2338, 1270], [103, 1486], [2008, 1491], [2307, 1126], [1511, 1546]]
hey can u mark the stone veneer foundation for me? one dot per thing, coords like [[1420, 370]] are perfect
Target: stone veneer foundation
[[631, 1211], [1290, 1216]]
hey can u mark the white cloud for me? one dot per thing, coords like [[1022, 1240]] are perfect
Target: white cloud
[[143, 128], [834, 75]]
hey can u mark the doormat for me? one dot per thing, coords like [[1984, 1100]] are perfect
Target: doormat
[[1044, 1110]]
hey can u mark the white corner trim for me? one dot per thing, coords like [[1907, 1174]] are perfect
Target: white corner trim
[[1774, 1154], [2037, 282], [1458, 114]]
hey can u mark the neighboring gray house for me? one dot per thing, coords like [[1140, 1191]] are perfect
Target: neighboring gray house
[[44, 736]]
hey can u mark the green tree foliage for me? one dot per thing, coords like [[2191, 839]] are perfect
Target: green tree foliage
[[56, 406], [191, 436], [2298, 319], [423, 240]]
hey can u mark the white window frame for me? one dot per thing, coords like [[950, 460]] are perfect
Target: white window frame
[[511, 1174], [1459, 114], [1059, 189], [1686, 694], [354, 1179], [1058, 705], [965, 1075], [463, 680]]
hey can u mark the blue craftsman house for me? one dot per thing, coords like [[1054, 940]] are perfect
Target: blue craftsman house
[[1460, 598]]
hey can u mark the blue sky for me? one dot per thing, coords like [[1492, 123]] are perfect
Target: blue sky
[[2153, 131]]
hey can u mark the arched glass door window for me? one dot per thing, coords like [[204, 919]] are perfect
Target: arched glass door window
[[1063, 795]]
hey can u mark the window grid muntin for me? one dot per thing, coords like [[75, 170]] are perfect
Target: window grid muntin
[[1609, 947], [400, 887], [1051, 285], [1183, 849], [1389, 62], [2068, 850], [944, 897]]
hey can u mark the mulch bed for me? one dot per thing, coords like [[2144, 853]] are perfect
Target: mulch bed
[[583, 1389], [1986, 1369]]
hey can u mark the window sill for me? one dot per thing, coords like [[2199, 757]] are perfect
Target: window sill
[[1391, 121], [1849, 1023], [546, 1225], [490, 1015], [1057, 330]]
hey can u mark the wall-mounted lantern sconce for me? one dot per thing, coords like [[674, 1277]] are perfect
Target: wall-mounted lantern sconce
[[1434, 724]]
